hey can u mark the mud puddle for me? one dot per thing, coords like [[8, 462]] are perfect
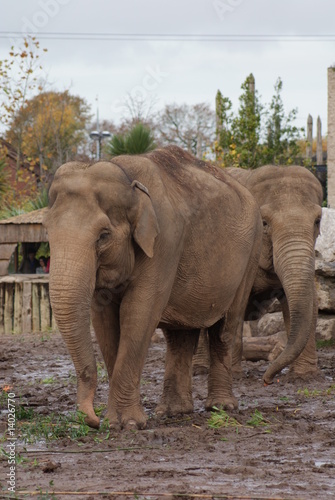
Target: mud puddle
[[291, 456]]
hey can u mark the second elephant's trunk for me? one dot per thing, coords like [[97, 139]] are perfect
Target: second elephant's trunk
[[294, 265]]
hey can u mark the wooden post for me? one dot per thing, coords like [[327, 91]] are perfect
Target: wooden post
[[26, 307], [18, 298], [9, 307], [44, 307], [2, 303], [35, 307]]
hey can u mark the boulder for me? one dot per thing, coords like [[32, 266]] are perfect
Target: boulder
[[325, 243], [325, 285]]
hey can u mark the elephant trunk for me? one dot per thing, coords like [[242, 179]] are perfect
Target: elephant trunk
[[294, 265], [72, 282]]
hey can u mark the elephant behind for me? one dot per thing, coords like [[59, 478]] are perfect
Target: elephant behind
[[290, 199], [141, 241]]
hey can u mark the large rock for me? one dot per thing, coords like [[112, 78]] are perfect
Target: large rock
[[325, 285], [325, 244], [325, 328]]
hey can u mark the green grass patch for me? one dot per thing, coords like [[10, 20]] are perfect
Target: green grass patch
[[52, 427], [310, 393], [325, 343], [220, 419]]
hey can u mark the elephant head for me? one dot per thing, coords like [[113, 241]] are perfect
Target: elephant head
[[97, 220]]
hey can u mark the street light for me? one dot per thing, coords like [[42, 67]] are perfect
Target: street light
[[95, 135]]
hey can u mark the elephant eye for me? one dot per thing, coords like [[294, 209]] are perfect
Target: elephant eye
[[103, 236], [317, 221]]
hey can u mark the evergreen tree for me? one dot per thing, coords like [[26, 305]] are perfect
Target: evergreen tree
[[282, 136], [246, 126]]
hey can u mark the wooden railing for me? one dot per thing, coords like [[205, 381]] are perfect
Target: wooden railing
[[24, 304]]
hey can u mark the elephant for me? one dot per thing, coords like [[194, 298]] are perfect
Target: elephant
[[290, 200], [160, 239]]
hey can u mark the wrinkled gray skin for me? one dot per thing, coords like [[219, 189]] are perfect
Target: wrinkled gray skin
[[141, 241], [290, 201]]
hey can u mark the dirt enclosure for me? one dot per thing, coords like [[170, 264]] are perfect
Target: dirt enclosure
[[280, 443]]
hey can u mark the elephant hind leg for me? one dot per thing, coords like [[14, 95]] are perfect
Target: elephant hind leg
[[200, 361], [177, 391]]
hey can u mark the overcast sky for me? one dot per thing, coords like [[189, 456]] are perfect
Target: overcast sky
[[291, 42]]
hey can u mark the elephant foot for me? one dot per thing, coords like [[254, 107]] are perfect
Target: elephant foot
[[226, 403], [128, 418], [174, 407], [308, 374], [90, 419]]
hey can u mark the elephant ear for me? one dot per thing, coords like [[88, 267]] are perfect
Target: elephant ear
[[144, 220]]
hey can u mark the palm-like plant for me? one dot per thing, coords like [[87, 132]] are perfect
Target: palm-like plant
[[137, 141]]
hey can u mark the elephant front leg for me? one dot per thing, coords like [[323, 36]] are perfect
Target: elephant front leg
[[105, 319], [220, 391], [177, 391]]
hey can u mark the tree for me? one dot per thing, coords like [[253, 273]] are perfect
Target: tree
[[137, 141], [3, 177], [244, 140], [18, 80], [246, 126], [282, 136], [224, 139], [53, 125], [191, 127]]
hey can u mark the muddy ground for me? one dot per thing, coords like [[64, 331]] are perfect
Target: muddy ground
[[289, 452]]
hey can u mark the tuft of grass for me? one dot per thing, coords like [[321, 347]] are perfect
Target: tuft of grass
[[52, 427], [308, 393], [257, 419], [220, 418], [48, 381]]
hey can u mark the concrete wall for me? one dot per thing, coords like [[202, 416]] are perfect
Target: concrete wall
[[331, 138]]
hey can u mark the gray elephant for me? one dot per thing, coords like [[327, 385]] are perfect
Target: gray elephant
[[290, 199], [141, 241]]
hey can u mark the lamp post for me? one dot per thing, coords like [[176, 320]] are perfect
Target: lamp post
[[99, 136]]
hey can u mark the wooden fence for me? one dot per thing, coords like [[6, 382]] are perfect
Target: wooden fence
[[24, 304]]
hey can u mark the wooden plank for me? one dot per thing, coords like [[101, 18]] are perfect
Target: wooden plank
[[35, 307], [4, 267], [9, 307], [45, 307], [26, 307], [2, 303], [7, 250], [17, 316], [26, 233]]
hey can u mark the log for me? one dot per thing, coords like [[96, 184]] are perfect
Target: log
[[267, 348]]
